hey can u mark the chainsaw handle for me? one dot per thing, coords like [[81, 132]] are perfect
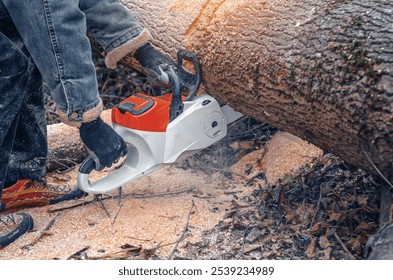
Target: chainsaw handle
[[190, 80], [87, 166], [177, 106]]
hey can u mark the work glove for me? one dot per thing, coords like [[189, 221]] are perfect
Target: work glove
[[104, 145], [153, 63]]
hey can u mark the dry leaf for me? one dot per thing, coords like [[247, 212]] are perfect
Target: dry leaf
[[311, 248], [315, 228], [324, 242], [335, 217]]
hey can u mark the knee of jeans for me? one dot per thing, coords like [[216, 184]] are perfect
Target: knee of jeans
[[13, 61]]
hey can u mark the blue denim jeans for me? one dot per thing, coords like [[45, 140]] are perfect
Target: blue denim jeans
[[55, 34], [45, 40], [23, 147]]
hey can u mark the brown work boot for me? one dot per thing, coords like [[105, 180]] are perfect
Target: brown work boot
[[36, 192]]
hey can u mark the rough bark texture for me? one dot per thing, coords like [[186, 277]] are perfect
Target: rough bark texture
[[321, 70], [65, 148]]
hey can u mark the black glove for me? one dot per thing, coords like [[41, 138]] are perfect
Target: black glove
[[153, 62], [104, 145]]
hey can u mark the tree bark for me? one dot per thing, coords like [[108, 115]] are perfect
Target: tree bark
[[321, 70], [65, 148]]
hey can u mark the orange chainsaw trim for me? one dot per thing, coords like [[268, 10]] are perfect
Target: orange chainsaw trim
[[155, 119]]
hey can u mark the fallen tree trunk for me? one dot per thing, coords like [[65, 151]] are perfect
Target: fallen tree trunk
[[321, 70], [65, 148]]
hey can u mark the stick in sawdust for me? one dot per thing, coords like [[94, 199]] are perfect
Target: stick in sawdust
[[99, 199], [118, 255], [117, 214], [136, 196], [43, 232], [78, 253], [184, 230]]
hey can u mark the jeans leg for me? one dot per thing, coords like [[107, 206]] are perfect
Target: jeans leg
[[23, 144], [54, 33], [30, 149], [110, 22], [13, 83]]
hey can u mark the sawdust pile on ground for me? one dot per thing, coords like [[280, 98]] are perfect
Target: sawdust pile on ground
[[143, 218], [213, 207]]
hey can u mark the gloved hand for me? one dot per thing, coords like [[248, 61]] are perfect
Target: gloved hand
[[152, 62], [104, 145]]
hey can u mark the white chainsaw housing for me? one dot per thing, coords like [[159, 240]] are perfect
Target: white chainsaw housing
[[201, 124]]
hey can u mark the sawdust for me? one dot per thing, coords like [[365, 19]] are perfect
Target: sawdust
[[152, 215]]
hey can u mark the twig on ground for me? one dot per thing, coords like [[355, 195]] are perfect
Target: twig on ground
[[43, 232], [114, 219], [70, 207], [119, 255], [139, 196], [316, 208], [119, 195], [386, 203], [193, 206], [344, 247], [139, 239], [376, 168], [59, 162], [136, 196], [100, 200], [78, 253]]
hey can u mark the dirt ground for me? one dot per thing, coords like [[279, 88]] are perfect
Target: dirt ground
[[172, 204], [200, 208]]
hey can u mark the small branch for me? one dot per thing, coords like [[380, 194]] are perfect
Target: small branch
[[70, 207], [184, 230], [139, 239], [385, 214], [344, 247], [316, 208], [78, 253], [139, 196], [119, 255], [136, 196], [376, 168], [120, 195], [114, 220], [100, 200], [43, 233]]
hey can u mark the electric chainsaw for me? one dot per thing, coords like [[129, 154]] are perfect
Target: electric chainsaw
[[159, 129]]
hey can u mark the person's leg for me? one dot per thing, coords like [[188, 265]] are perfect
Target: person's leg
[[14, 68], [54, 33], [26, 140], [30, 149], [23, 140], [13, 82]]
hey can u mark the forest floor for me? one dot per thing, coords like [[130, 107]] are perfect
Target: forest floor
[[257, 194]]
